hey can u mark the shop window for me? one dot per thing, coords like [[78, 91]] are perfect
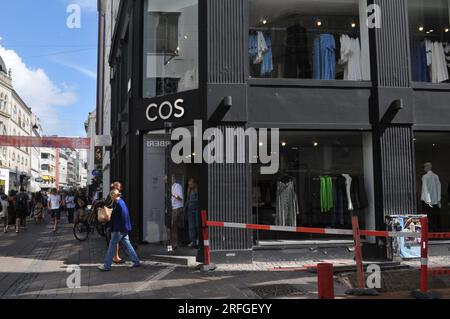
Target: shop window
[[309, 39], [432, 151], [310, 189], [170, 47], [430, 40]]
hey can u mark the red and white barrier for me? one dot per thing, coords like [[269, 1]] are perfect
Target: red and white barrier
[[355, 232]]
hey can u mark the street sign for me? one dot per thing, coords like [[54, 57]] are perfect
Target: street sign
[[103, 140]]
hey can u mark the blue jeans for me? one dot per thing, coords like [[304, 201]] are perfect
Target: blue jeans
[[115, 239], [194, 225]]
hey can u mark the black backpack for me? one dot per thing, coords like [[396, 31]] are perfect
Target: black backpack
[[22, 202]]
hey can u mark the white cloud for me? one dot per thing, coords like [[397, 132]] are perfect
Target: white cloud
[[39, 92], [83, 70]]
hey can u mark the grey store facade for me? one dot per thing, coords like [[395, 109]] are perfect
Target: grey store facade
[[370, 104]]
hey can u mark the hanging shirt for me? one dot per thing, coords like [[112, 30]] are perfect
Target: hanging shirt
[[267, 64], [420, 69], [439, 70], [429, 51], [431, 189], [447, 53], [177, 190], [287, 205], [324, 57], [262, 48], [351, 58]]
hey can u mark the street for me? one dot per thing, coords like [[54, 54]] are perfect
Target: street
[[33, 264]]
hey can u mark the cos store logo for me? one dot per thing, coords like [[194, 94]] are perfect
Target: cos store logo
[[165, 110]]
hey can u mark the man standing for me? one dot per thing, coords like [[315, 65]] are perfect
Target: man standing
[[177, 221], [22, 205], [54, 203]]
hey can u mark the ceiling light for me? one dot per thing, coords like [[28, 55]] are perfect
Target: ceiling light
[[264, 21], [261, 144], [283, 144], [421, 28], [315, 144], [447, 30], [353, 25], [318, 23], [431, 31]]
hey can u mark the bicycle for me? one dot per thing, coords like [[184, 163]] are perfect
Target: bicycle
[[88, 225]]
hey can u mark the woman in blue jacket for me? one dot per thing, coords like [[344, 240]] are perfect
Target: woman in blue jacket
[[120, 229]]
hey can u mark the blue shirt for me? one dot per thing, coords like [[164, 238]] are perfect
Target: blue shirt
[[120, 218]]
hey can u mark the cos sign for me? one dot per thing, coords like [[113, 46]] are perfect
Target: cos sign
[[165, 110]]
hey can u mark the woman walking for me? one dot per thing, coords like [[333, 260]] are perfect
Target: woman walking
[[110, 205], [120, 229]]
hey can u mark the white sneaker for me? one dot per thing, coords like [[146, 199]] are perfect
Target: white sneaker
[[103, 268]]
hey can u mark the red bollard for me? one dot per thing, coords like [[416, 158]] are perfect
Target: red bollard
[[206, 249], [325, 281], [424, 255]]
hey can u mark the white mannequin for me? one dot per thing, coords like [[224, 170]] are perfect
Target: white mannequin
[[348, 182], [431, 187]]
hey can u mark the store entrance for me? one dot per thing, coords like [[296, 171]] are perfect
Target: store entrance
[[159, 175], [432, 153]]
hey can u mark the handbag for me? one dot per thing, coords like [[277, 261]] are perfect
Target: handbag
[[104, 214]]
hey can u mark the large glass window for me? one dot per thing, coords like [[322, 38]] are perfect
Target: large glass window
[[323, 178], [430, 40], [309, 39], [433, 178], [170, 46]]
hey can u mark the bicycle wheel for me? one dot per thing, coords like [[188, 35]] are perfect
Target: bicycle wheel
[[100, 229], [81, 231]]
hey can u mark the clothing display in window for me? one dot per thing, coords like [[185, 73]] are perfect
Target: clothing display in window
[[439, 69], [297, 55], [351, 58], [431, 189], [287, 207], [340, 211], [430, 61], [324, 57], [420, 64], [260, 52], [326, 194], [358, 193]]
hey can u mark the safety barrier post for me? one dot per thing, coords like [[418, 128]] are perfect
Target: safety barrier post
[[424, 256], [207, 266], [358, 253], [325, 281]]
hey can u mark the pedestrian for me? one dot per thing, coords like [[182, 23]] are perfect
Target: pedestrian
[[109, 205], [38, 207], [54, 206], [22, 205], [177, 218], [70, 205], [4, 210], [120, 230], [12, 218], [193, 213]]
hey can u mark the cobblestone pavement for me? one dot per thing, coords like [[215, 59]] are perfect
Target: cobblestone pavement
[[34, 264]]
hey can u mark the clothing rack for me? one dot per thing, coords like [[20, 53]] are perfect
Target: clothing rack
[[267, 29]]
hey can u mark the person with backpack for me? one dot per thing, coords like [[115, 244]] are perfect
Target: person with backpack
[[21, 209]]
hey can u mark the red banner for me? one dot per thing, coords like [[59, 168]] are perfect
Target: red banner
[[51, 142]]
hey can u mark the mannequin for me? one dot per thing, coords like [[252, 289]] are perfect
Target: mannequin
[[431, 196], [348, 182]]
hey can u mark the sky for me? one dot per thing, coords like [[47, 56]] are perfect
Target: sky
[[54, 67]]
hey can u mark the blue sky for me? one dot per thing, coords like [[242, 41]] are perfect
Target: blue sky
[[54, 67]]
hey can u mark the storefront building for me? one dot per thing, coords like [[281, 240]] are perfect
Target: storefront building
[[359, 89]]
